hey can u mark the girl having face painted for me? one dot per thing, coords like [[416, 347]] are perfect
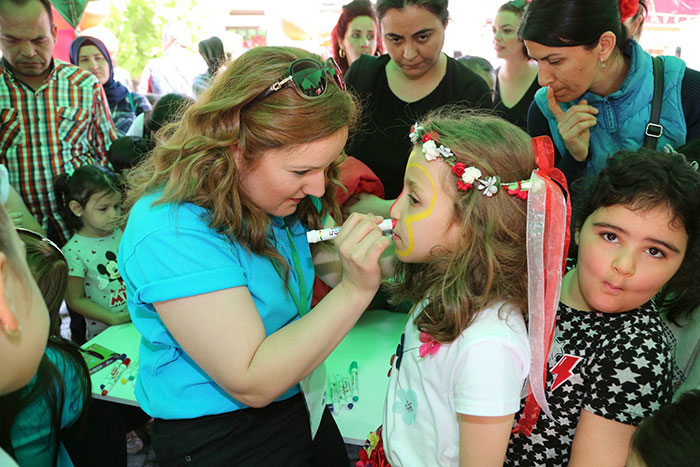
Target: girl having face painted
[[456, 378], [610, 363]]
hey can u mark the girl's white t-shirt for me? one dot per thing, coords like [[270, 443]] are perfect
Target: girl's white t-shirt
[[482, 372]]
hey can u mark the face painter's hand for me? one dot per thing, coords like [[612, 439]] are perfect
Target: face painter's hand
[[360, 244], [574, 124]]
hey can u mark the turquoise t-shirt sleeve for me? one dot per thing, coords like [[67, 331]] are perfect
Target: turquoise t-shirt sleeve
[[317, 204], [74, 390], [31, 433], [180, 261]]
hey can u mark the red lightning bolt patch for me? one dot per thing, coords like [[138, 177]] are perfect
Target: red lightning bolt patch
[[563, 369]]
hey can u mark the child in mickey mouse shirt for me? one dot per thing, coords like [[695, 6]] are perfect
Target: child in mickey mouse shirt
[[90, 200]]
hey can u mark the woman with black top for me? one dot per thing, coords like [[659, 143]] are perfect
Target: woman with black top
[[399, 88], [516, 80]]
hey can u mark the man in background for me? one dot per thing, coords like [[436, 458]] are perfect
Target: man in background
[[53, 115]]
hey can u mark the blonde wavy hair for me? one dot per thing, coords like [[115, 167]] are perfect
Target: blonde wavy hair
[[489, 263], [194, 162]]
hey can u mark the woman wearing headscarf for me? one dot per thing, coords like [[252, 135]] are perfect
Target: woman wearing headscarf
[[212, 51], [91, 54]]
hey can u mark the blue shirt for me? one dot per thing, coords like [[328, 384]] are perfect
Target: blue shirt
[[167, 252]]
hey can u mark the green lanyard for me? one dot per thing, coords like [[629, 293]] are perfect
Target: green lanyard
[[300, 301]]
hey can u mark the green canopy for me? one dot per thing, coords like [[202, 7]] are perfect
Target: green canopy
[[70, 10]]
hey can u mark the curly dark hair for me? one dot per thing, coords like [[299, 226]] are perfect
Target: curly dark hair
[[645, 179], [669, 438]]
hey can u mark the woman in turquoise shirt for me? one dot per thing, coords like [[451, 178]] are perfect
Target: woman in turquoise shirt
[[219, 273]]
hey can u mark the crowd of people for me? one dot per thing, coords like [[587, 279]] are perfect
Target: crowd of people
[[546, 217]]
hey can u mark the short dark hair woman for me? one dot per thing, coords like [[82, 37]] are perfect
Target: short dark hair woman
[[399, 88], [599, 84]]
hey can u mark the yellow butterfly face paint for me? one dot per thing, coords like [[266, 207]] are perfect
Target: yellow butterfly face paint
[[417, 216], [423, 211]]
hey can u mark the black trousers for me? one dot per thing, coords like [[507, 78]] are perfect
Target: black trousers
[[101, 438], [276, 435]]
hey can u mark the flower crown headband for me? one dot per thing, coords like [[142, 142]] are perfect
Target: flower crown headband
[[467, 176], [548, 218]]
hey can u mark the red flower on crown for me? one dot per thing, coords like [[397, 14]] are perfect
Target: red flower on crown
[[463, 186], [458, 169], [518, 191], [431, 136], [628, 8]]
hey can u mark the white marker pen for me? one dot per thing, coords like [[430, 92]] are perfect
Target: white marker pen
[[315, 236]]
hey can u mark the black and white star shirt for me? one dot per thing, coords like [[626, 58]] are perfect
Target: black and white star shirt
[[618, 366]]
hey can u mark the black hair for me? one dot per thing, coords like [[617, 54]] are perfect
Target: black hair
[[568, 23], [127, 151], [645, 179], [671, 436], [479, 65], [212, 51], [691, 150], [167, 109], [45, 3], [48, 384], [517, 6], [476, 63], [436, 7], [80, 186]]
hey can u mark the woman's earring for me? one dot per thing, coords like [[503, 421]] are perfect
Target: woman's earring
[[602, 65], [341, 53]]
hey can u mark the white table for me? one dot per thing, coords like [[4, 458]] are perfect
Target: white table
[[371, 343], [122, 338]]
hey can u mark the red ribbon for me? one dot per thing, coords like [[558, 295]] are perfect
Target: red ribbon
[[555, 183]]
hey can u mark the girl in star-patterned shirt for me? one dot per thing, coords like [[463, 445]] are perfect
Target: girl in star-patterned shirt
[[611, 361]]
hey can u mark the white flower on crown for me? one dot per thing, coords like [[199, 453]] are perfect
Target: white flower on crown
[[489, 186], [430, 150], [470, 175], [414, 134], [444, 152]]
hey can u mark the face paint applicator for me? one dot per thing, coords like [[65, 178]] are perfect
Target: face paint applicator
[[315, 236]]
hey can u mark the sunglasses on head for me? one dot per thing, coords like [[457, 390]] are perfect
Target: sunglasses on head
[[30, 233], [308, 77]]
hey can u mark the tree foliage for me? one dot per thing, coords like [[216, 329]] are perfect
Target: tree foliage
[[138, 25]]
